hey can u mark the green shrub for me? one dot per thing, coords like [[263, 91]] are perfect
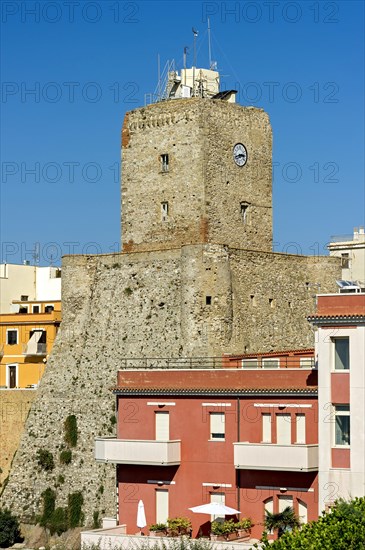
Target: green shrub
[[45, 459], [178, 526], [70, 427], [49, 505], [74, 509], [58, 522], [96, 520], [66, 457], [9, 528], [342, 528]]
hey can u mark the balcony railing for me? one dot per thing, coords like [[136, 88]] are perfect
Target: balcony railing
[[262, 362], [143, 452], [34, 349], [268, 456]]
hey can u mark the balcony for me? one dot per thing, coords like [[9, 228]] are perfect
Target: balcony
[[34, 349], [268, 456], [143, 452]]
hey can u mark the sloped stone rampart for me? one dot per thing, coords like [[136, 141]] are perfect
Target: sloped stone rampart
[[14, 408], [151, 304]]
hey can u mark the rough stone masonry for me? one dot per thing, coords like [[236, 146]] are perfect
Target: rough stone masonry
[[196, 278]]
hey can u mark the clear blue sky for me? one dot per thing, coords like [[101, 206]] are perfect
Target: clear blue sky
[[90, 62]]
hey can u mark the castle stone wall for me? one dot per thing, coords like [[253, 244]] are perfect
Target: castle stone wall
[[150, 304]]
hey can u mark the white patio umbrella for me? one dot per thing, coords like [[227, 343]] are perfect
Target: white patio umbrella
[[141, 516], [214, 509]]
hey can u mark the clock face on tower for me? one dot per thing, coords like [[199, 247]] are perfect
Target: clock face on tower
[[240, 154]]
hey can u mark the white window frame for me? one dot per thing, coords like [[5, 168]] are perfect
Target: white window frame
[[17, 336], [307, 363], [338, 413], [217, 426], [47, 305], [334, 340], [250, 363], [36, 305], [274, 360]]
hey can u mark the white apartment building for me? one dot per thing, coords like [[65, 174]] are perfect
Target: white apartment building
[[27, 283], [340, 352], [351, 250]]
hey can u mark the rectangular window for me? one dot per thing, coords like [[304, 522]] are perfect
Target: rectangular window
[[307, 363], [162, 505], [11, 337], [270, 363], [23, 308], [342, 425], [35, 309], [221, 499], [345, 261], [165, 162], [164, 211], [266, 428], [342, 353], [250, 363], [244, 211], [283, 429], [300, 424], [24, 298], [217, 426], [284, 502], [162, 425]]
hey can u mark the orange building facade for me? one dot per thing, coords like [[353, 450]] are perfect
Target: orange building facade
[[26, 339], [243, 433]]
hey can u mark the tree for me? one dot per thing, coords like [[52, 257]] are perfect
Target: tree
[[282, 521], [341, 528], [9, 528]]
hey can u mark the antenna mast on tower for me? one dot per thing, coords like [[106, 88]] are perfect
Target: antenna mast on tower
[[194, 65]]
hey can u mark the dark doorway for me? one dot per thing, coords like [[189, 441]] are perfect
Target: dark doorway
[[12, 376]]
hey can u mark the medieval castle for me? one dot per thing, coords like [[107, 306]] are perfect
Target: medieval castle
[[196, 278]]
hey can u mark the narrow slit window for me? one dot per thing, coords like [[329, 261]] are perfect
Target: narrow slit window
[[208, 300], [244, 211], [164, 211], [165, 162]]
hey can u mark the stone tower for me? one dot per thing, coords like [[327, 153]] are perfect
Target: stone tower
[[185, 181], [196, 279]]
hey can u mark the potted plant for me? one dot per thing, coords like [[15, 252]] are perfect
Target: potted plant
[[158, 530], [222, 530], [243, 527], [178, 526]]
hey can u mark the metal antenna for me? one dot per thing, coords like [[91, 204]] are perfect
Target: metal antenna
[[209, 46], [195, 37], [159, 77]]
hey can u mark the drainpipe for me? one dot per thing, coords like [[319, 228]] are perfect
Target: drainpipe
[[238, 439]]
